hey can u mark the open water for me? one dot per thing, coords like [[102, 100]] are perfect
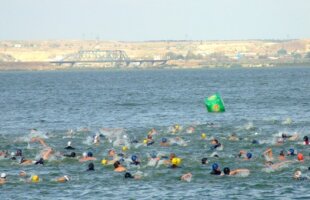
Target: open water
[[260, 104]]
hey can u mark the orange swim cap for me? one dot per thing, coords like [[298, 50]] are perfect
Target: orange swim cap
[[300, 157]]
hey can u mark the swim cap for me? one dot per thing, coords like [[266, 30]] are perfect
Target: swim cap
[[164, 140], [13, 154], [255, 142], [67, 178], [249, 155], [35, 178], [69, 143], [90, 154], [215, 166], [203, 135], [179, 161], [306, 138], [18, 152], [174, 161], [124, 148], [134, 158], [291, 151], [300, 157], [3, 175], [84, 154], [128, 175], [153, 154], [104, 162], [145, 141], [226, 171], [204, 160]]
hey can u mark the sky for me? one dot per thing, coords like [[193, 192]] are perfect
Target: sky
[[142, 20]]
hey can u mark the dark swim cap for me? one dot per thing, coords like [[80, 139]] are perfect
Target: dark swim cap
[[249, 155], [215, 166], [90, 154], [19, 152], [164, 140], [291, 151], [134, 158], [40, 161], [255, 142], [128, 175], [226, 171], [72, 154], [204, 160], [306, 138]]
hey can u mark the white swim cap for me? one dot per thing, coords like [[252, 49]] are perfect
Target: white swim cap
[[13, 154], [67, 178], [69, 143], [125, 136], [85, 154], [3, 175]]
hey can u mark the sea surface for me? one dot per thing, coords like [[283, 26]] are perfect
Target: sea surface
[[261, 104]]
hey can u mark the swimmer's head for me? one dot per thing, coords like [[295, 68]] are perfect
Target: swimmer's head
[[124, 148], [204, 161], [215, 166], [19, 152], [72, 154], [145, 141], [116, 164], [69, 143], [104, 162], [291, 151], [249, 155], [255, 142], [281, 153], [300, 157], [226, 171], [164, 140], [134, 158], [203, 135], [35, 178], [89, 154], [3, 175], [153, 155], [22, 173], [84, 154], [306, 138], [13, 154], [128, 175], [297, 174], [67, 178], [111, 152]]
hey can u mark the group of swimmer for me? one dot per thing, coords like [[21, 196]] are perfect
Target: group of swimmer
[[121, 161]]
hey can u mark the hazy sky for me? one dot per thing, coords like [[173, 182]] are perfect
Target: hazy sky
[[136, 20]]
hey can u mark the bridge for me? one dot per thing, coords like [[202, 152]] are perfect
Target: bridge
[[113, 57]]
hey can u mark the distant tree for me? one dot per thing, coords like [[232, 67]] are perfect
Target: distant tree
[[296, 56], [282, 52]]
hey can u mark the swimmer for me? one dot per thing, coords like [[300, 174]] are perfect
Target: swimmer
[[203, 136], [63, 179], [186, 177], [282, 155], [34, 179], [3, 178], [118, 167], [216, 145], [227, 171], [164, 142], [300, 157], [204, 161], [255, 141], [135, 160], [87, 157], [40, 161], [215, 169], [245, 155], [298, 176], [152, 132], [291, 152], [233, 137], [290, 137], [91, 167], [97, 139], [128, 175], [149, 140], [275, 166], [190, 130], [306, 140], [24, 161], [175, 162], [45, 153], [69, 147]]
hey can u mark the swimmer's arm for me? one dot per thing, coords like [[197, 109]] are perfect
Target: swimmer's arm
[[40, 140]]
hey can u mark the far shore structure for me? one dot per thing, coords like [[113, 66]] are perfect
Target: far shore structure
[[42, 55]]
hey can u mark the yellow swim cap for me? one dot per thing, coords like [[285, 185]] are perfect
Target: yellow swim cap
[[35, 178], [203, 135], [124, 148], [174, 161], [145, 141], [104, 162]]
